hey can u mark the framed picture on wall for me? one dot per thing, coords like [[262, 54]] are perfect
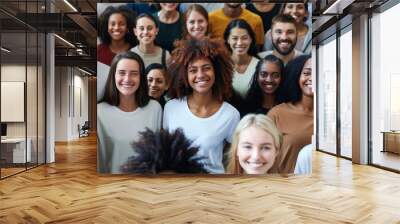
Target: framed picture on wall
[[181, 88]]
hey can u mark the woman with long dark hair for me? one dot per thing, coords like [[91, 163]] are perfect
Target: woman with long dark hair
[[295, 117], [124, 111], [240, 40], [267, 78]]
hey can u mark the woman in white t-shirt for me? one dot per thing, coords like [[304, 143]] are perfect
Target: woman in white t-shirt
[[240, 40], [146, 31], [200, 86], [124, 111]]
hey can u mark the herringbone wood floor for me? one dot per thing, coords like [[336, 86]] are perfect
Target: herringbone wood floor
[[70, 191]]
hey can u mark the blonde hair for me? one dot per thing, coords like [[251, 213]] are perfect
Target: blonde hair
[[260, 121]]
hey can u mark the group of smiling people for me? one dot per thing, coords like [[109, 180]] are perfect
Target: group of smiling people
[[200, 90]]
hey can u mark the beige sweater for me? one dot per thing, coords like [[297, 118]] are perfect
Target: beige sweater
[[296, 128]]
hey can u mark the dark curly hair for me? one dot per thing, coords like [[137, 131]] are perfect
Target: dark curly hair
[[189, 50], [290, 90], [129, 15], [163, 151]]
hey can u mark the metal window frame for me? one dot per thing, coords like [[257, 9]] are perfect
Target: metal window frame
[[338, 33], [381, 9]]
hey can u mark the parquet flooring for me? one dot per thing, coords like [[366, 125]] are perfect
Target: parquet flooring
[[70, 191], [9, 171]]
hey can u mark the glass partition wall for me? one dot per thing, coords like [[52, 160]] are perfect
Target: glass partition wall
[[345, 93], [22, 87], [334, 90], [13, 108], [326, 91], [385, 90]]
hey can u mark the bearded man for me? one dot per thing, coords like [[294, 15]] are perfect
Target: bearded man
[[284, 38]]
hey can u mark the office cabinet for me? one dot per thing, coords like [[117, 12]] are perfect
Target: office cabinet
[[391, 141]]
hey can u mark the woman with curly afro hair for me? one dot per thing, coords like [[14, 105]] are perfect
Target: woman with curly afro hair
[[201, 83]]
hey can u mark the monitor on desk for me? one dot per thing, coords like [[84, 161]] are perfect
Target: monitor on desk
[[3, 130]]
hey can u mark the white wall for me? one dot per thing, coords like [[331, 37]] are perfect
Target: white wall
[[61, 104], [33, 126], [82, 83], [71, 102], [12, 73]]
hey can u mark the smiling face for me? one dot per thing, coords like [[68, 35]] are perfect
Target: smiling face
[[297, 10], [239, 40], [157, 83], [201, 75], [305, 80], [168, 6], [269, 77], [117, 26], [284, 37], [196, 25], [145, 30], [127, 77], [256, 150]]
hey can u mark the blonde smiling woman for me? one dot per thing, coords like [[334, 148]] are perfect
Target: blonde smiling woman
[[255, 145]]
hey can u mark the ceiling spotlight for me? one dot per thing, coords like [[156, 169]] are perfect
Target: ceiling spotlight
[[5, 49], [84, 71], [64, 40], [337, 7], [70, 5]]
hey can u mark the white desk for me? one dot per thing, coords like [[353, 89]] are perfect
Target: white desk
[[16, 147]]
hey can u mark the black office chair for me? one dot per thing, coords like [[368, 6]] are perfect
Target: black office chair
[[84, 130]]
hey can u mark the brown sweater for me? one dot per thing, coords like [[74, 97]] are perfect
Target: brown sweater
[[296, 128]]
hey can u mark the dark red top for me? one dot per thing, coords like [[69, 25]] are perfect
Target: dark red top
[[104, 54]]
